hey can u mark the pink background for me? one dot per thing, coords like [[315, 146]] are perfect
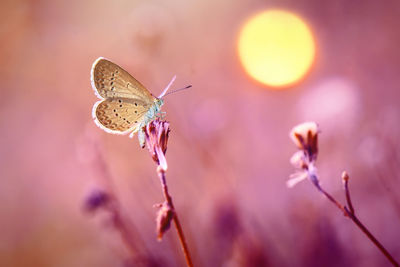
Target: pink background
[[229, 149]]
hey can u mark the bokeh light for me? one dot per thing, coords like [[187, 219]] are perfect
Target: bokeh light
[[276, 48], [334, 102]]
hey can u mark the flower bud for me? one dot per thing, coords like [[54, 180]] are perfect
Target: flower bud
[[164, 217]]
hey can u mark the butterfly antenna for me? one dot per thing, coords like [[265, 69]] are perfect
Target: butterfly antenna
[[177, 90], [168, 86]]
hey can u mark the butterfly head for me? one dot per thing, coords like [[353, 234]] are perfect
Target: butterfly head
[[158, 102]]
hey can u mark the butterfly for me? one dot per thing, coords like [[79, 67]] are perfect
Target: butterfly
[[125, 105]]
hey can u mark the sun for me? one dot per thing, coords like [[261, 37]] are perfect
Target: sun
[[276, 48]]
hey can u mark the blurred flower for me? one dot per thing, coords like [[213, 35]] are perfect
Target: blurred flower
[[96, 199], [226, 223], [305, 137], [157, 133], [164, 217]]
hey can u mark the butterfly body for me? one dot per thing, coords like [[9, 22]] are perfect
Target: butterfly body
[[125, 105], [153, 112]]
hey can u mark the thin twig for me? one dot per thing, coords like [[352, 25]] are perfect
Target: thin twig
[[371, 237], [156, 133], [178, 227], [305, 137], [126, 234], [333, 200], [349, 212], [109, 201], [346, 178]]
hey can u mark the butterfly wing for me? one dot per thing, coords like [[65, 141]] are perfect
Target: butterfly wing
[[125, 101], [110, 80], [119, 115]]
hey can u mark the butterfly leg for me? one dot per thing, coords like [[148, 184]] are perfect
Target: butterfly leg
[[142, 137], [162, 114]]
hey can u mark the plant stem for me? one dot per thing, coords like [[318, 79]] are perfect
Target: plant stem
[[371, 237], [347, 191], [178, 227], [333, 200], [126, 228], [350, 213], [124, 231]]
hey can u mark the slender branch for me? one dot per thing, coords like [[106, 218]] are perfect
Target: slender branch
[[178, 227], [371, 237], [107, 199], [305, 137], [346, 178], [334, 201], [156, 133], [349, 212], [126, 234]]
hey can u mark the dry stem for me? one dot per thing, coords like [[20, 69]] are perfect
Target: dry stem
[[178, 227], [107, 200], [305, 137], [156, 133], [348, 211], [125, 232]]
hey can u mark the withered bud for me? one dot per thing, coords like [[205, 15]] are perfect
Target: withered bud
[[345, 176], [305, 137], [157, 133], [164, 217]]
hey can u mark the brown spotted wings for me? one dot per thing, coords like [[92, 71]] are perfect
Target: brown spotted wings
[[124, 101]]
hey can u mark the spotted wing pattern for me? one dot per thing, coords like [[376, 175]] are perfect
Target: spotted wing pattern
[[118, 115], [124, 102]]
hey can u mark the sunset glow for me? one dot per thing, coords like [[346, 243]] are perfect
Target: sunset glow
[[276, 48]]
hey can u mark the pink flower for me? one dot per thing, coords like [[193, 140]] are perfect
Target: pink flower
[[157, 133]]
